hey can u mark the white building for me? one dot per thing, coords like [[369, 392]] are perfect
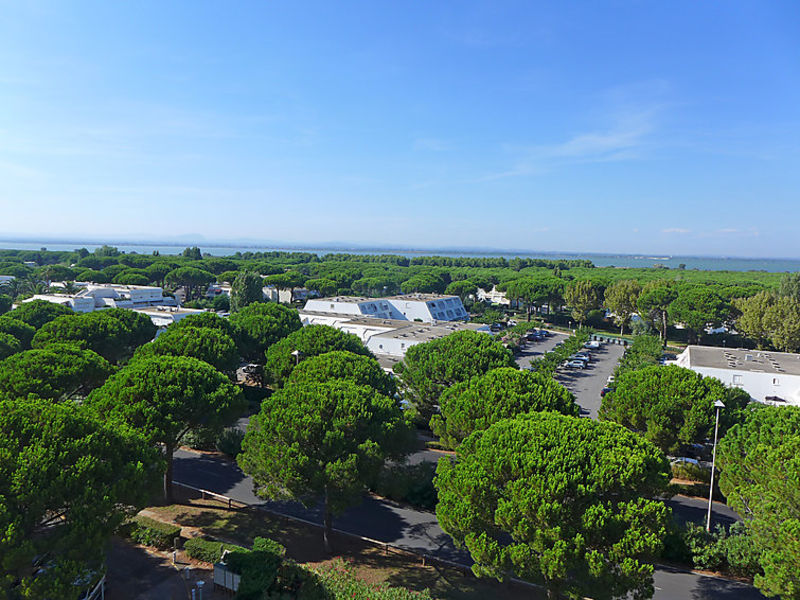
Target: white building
[[148, 300], [493, 296], [387, 337], [6, 279], [770, 377], [428, 308]]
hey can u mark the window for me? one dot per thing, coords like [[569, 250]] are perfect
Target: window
[[776, 381]]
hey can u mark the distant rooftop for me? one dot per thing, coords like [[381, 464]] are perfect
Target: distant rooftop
[[744, 360], [348, 299], [420, 297]]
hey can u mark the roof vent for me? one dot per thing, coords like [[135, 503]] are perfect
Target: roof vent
[[748, 357]]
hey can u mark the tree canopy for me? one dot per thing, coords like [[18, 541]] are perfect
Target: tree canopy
[[259, 325], [697, 307], [5, 303], [246, 289], [207, 320], [67, 481], [167, 396], [322, 441], [190, 278], [38, 312], [207, 344], [429, 368], [582, 296], [55, 372], [620, 299], [672, 406], [653, 305], [113, 333], [341, 364], [502, 393], [309, 341], [8, 345], [558, 500], [759, 473]]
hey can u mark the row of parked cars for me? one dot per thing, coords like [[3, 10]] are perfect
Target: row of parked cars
[[581, 359]]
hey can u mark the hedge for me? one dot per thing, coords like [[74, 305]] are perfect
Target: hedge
[[149, 532], [209, 551]]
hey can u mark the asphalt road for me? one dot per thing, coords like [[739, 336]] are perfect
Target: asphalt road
[[416, 530]]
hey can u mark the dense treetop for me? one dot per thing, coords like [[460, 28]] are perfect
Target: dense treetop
[[558, 500], [429, 368], [341, 364], [502, 393], [309, 341]]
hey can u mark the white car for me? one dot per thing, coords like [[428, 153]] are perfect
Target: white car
[[576, 364]]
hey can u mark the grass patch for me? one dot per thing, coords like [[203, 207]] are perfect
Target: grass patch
[[303, 543]]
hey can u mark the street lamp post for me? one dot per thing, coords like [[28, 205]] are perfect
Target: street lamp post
[[297, 354], [718, 405]]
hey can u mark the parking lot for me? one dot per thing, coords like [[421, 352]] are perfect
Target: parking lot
[[587, 383]]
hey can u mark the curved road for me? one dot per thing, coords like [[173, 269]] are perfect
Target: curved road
[[417, 530]]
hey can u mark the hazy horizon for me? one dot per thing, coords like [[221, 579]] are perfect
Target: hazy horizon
[[658, 129]]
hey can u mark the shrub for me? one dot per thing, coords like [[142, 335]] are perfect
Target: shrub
[[150, 532], [412, 484], [202, 438], [207, 550], [229, 441], [342, 584], [258, 568]]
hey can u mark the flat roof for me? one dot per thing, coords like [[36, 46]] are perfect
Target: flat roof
[[420, 297], [757, 361], [354, 318], [426, 332], [347, 299], [167, 310]]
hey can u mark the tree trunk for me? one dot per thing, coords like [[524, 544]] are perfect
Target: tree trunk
[[327, 530], [168, 451], [664, 327], [552, 591], [529, 313], [622, 328]]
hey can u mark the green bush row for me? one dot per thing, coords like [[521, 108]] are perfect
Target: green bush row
[[207, 550], [548, 364], [149, 532]]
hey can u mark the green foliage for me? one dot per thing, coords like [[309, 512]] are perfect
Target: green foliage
[[190, 278], [114, 333], [310, 341], [502, 393], [410, 484], [773, 317], [760, 469], [340, 364], [645, 351], [229, 441], [260, 325], [323, 286], [790, 286], [207, 320], [165, 397], [429, 368], [548, 364], [729, 551], [207, 550], [18, 329], [149, 532], [56, 372], [671, 406], [204, 343], [92, 276], [582, 296], [697, 307], [620, 299], [8, 345], [245, 290], [558, 500], [38, 312], [5, 303], [322, 440], [653, 305], [66, 482], [340, 583]]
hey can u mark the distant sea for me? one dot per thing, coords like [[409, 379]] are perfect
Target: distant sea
[[706, 263]]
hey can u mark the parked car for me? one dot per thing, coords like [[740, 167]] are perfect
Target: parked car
[[610, 380], [604, 391], [582, 356], [576, 364], [593, 345]]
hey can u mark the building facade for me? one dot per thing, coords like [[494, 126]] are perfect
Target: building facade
[[769, 377], [427, 308]]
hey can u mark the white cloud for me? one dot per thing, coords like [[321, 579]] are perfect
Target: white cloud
[[679, 230]]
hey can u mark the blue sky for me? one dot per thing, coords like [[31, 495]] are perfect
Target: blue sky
[[667, 127]]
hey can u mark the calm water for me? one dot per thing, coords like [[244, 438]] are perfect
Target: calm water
[[601, 260]]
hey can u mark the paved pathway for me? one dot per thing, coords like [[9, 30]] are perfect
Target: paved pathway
[[416, 530]]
